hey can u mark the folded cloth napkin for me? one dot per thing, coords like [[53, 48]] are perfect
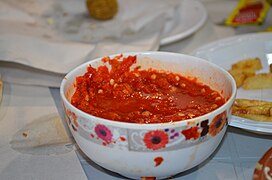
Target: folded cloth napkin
[[34, 143], [55, 36]]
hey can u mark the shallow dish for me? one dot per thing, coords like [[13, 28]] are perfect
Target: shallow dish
[[226, 52], [152, 150]]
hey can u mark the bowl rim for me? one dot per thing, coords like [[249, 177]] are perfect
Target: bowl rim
[[129, 125]]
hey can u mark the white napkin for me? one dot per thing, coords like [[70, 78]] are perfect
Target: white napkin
[[32, 137], [56, 36]]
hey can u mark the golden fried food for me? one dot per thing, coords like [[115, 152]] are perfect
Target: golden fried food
[[270, 68], [257, 110], [244, 74], [256, 117], [264, 110], [243, 69], [239, 77], [259, 81], [253, 64], [251, 102]]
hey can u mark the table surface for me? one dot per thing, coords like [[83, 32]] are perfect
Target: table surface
[[235, 158], [240, 150]]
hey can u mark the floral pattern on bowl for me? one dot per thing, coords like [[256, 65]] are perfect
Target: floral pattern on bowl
[[192, 133]]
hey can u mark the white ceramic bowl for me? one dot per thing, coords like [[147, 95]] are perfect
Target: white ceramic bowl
[[128, 149]]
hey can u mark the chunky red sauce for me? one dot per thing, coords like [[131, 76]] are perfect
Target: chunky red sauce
[[141, 96]]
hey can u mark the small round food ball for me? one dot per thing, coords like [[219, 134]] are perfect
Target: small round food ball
[[102, 9]]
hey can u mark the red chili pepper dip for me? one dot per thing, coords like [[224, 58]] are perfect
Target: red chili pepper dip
[[127, 94]]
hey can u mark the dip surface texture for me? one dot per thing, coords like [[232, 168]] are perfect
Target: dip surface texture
[[127, 94]]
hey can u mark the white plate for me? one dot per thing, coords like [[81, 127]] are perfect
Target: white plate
[[192, 16], [227, 51], [186, 18]]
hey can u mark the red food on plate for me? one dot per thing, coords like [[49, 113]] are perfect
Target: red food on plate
[[263, 170], [126, 94]]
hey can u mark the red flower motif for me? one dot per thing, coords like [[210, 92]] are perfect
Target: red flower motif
[[218, 123], [75, 119], [67, 115], [155, 139], [192, 132], [72, 118], [103, 132]]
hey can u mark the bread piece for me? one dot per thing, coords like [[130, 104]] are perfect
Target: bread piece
[[255, 117], [259, 81], [254, 64], [238, 77], [251, 102]]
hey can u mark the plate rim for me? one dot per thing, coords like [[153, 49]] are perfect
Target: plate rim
[[173, 38], [256, 126], [223, 42]]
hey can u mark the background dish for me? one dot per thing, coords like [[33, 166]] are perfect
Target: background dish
[[227, 51], [192, 17]]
